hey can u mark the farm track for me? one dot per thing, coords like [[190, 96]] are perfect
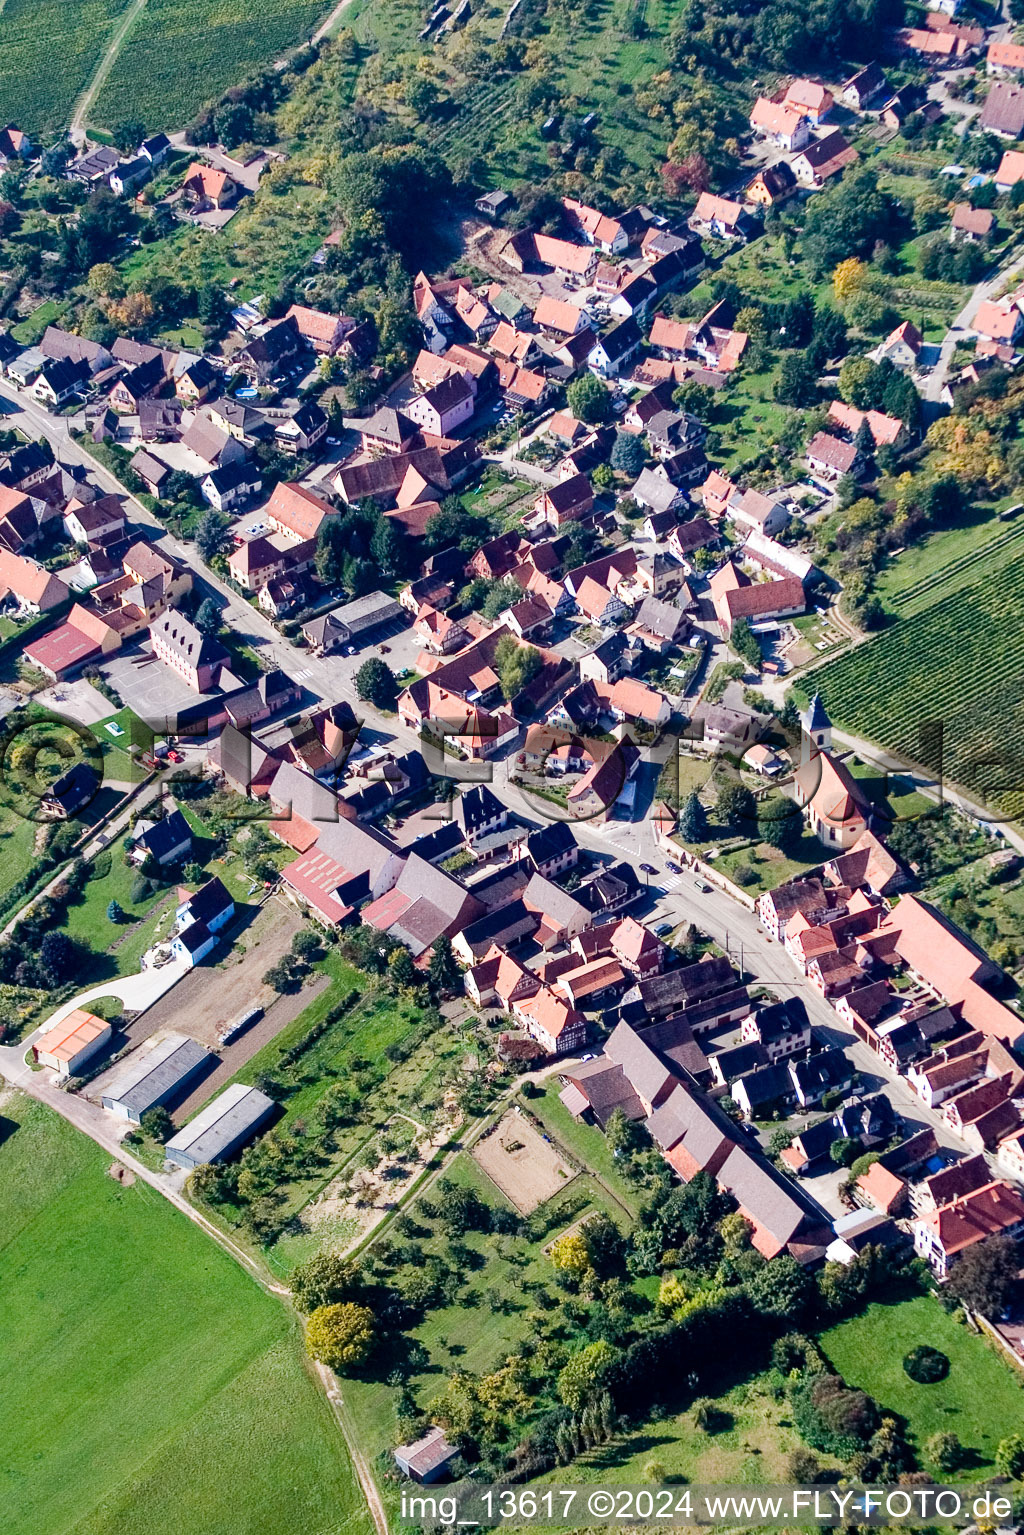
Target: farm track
[[103, 68]]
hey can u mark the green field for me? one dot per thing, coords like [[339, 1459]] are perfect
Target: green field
[[958, 664], [182, 53], [981, 1400], [50, 50], [150, 1386]]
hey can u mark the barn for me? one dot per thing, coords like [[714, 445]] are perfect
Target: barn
[[159, 1071], [227, 1124]]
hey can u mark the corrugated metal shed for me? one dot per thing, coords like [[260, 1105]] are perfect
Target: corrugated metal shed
[[159, 1069], [226, 1124]]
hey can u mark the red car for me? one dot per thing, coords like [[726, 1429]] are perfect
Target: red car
[[173, 756]]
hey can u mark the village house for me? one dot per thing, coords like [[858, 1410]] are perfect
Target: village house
[[901, 347], [1003, 112], [822, 159], [780, 123], [232, 486], [970, 226], [568, 501], [195, 656], [863, 87], [719, 216], [206, 187]]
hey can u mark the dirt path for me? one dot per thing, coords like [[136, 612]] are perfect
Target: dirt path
[[329, 1381], [83, 106], [326, 27]]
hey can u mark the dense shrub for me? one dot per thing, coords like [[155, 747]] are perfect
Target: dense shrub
[[926, 1365], [832, 1416]]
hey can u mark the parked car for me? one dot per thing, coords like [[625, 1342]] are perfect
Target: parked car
[[702, 886], [673, 868]]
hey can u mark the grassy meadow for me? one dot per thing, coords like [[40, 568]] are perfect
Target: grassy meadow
[[150, 1385], [981, 1400]]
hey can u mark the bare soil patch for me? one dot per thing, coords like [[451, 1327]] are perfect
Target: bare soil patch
[[522, 1162]]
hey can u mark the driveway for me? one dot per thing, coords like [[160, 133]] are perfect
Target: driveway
[[960, 329]]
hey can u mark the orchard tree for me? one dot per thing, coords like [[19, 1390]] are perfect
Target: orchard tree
[[324, 1280], [582, 1378], [571, 1255], [341, 1336]]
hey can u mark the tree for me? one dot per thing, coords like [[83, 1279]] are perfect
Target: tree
[[341, 1335], [571, 1255], [945, 1451], [781, 1289], [628, 455], [157, 1123], [401, 968], [983, 1277], [375, 682], [105, 280], [209, 536], [307, 944], [55, 960], [849, 278], [743, 640], [797, 381], [589, 399], [1010, 1456], [388, 547], [324, 1280], [115, 912], [515, 664], [128, 135], [858, 382], [781, 825], [281, 977], [131, 313], [693, 821], [735, 805], [443, 972], [207, 618], [843, 1150], [582, 1379]]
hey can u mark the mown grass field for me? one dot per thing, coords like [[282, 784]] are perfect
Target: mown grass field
[[49, 50], [958, 665], [150, 1386], [981, 1400], [182, 53]]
